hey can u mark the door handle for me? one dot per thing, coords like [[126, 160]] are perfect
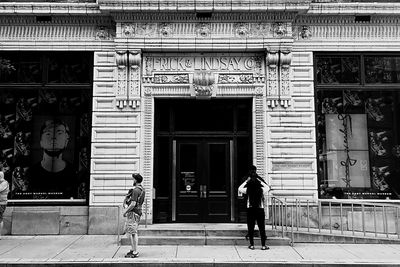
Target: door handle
[[203, 191]]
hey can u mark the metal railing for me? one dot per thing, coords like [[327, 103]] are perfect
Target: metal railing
[[345, 217]]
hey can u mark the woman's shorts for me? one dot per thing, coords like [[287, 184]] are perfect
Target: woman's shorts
[[132, 223]]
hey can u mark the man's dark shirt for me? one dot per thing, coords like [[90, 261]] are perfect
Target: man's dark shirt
[[45, 184]]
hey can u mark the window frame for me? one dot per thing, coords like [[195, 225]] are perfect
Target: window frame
[[45, 57], [362, 86]]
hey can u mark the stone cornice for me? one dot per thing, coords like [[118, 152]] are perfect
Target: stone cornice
[[46, 8], [367, 8], [185, 17], [204, 5], [325, 7]]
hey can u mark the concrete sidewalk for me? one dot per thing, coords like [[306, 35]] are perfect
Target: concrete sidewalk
[[90, 250]]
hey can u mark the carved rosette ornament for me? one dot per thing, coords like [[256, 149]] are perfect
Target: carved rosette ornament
[[241, 30], [279, 29], [165, 30], [305, 32], [272, 61], [203, 84], [103, 33], [135, 59], [128, 30], [121, 94], [203, 30]]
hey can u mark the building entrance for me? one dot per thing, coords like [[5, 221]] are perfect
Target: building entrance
[[203, 149], [203, 174]]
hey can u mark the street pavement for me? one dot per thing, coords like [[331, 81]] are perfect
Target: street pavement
[[96, 250]]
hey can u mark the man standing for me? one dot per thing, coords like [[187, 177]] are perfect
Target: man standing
[[133, 212]]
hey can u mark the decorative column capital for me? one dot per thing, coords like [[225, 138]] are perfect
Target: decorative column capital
[[135, 61], [128, 78], [278, 78]]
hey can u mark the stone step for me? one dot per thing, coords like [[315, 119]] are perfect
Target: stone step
[[204, 240], [190, 232]]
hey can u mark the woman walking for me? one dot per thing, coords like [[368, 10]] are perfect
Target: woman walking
[[4, 189], [255, 188]]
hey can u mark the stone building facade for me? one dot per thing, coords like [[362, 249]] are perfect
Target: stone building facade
[[256, 59]]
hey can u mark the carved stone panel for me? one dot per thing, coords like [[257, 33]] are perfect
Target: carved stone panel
[[217, 63], [204, 73]]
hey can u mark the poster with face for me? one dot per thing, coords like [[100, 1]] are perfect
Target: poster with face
[[52, 174]]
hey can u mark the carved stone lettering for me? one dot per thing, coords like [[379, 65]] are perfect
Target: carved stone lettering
[[210, 63]]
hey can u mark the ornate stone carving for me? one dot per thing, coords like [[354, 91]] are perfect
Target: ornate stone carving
[[259, 90], [135, 59], [128, 30], [103, 33], [241, 30], [165, 30], [171, 78], [128, 79], [203, 30], [279, 29], [121, 94], [203, 90], [305, 32], [272, 61], [259, 114], [285, 88], [203, 84], [278, 78], [258, 30], [236, 78]]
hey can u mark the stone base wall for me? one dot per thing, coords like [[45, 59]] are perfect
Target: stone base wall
[[65, 220]]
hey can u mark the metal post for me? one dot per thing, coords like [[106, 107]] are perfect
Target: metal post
[[145, 214], [319, 216], [363, 217], [286, 214], [341, 219], [282, 219], [118, 219], [386, 223], [352, 217], [376, 234], [292, 235], [330, 217], [273, 212], [397, 222], [308, 216], [297, 214]]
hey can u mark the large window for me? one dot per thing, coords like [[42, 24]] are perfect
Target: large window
[[45, 120], [358, 119]]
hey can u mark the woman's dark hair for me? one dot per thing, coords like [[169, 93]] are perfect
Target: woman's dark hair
[[254, 192]]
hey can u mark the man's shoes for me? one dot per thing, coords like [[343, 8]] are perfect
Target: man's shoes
[[264, 248], [131, 254], [251, 247]]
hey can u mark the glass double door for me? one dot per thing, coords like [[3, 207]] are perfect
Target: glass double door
[[203, 180]]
